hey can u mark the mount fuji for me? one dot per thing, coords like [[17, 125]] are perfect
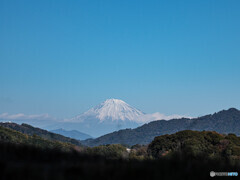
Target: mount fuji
[[111, 115], [111, 110]]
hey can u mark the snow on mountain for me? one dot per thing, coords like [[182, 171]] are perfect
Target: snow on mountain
[[118, 110], [111, 109]]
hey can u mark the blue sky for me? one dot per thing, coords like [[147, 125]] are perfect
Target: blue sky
[[63, 57]]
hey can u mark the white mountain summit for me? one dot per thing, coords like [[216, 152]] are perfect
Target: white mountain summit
[[111, 110]]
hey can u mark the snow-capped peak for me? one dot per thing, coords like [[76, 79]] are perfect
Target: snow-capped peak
[[111, 109], [116, 109], [109, 116]]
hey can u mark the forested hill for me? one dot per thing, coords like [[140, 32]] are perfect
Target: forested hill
[[29, 130], [205, 144], [11, 136], [226, 121]]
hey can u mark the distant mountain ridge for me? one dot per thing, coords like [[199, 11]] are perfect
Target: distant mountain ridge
[[72, 134], [226, 121]]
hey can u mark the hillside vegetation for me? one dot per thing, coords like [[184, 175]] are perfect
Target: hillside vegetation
[[14, 137], [206, 144], [30, 130]]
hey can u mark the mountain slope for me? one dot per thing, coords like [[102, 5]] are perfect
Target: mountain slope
[[29, 130], [72, 134], [111, 109], [8, 135], [226, 121]]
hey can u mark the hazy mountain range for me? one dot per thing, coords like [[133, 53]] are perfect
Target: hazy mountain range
[[72, 134], [115, 121], [224, 122]]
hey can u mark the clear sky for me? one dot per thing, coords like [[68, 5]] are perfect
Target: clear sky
[[62, 57]]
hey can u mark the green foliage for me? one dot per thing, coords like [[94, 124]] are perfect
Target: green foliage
[[234, 139], [113, 151], [204, 144], [138, 152]]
